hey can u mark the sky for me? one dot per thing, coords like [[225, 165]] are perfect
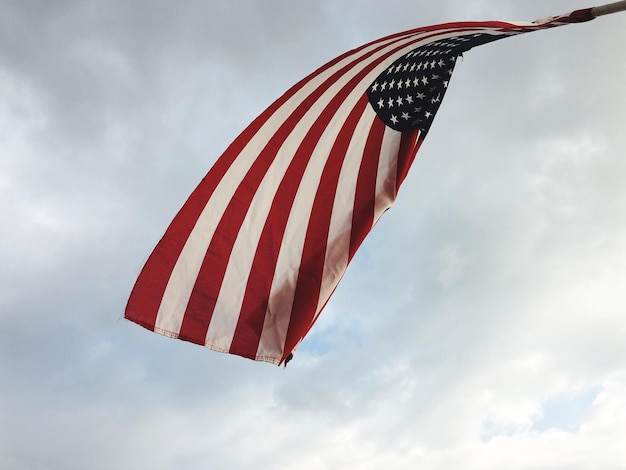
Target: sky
[[480, 326]]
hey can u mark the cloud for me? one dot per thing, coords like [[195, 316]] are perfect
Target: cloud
[[479, 326]]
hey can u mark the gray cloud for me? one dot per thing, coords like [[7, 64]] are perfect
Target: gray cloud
[[486, 302]]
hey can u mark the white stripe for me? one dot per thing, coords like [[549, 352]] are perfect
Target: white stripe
[[338, 250], [185, 272], [286, 274], [339, 234], [224, 322], [183, 276], [288, 263], [387, 176]]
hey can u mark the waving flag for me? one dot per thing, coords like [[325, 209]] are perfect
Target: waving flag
[[251, 259]]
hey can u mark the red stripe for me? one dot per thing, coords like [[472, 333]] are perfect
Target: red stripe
[[208, 284], [206, 289], [409, 145], [259, 286], [145, 299], [365, 197], [309, 280], [579, 16], [273, 230], [308, 286], [254, 308]]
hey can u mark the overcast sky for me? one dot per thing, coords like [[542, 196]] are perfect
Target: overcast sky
[[482, 324]]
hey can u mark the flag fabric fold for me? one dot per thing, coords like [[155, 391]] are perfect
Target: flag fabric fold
[[254, 254]]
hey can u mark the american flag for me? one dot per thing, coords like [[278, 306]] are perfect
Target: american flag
[[253, 256]]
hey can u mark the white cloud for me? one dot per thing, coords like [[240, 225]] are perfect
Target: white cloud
[[479, 326]]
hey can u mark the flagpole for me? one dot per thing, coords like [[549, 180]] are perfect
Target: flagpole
[[589, 13], [608, 9]]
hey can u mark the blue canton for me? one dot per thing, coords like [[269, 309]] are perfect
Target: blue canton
[[408, 94]]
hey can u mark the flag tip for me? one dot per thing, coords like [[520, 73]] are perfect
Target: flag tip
[[288, 359]]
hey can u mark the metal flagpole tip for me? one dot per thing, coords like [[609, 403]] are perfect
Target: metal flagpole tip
[[609, 9]]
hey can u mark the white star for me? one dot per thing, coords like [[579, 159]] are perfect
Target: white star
[[383, 87], [409, 99], [394, 119], [400, 101], [400, 85], [392, 84], [375, 87], [407, 84], [406, 116], [381, 103], [390, 103], [416, 82], [421, 96], [424, 80]]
